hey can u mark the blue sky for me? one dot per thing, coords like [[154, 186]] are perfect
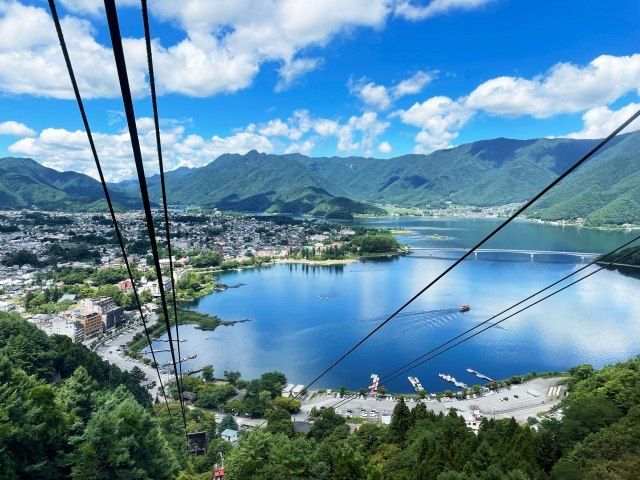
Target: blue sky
[[351, 77]]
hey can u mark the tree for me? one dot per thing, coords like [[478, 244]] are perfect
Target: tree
[[291, 405], [400, 421], [279, 421], [207, 373], [227, 423], [232, 376], [328, 422], [121, 438], [342, 391]]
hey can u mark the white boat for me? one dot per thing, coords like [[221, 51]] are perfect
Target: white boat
[[415, 383]]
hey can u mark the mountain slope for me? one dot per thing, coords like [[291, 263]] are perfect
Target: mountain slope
[[259, 182], [605, 191], [24, 183]]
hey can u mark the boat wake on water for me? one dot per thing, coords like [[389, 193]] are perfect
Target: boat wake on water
[[408, 323]]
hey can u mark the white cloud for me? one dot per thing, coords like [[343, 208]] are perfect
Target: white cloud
[[385, 147], [381, 97], [413, 84], [32, 61], [69, 150], [565, 88], [601, 121], [367, 127], [439, 119], [17, 129], [408, 10], [224, 47], [294, 69]]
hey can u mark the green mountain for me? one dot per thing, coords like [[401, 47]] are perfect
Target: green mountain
[[24, 183], [260, 182], [604, 191]]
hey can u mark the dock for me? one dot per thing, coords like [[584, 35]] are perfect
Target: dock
[[480, 375], [451, 379]]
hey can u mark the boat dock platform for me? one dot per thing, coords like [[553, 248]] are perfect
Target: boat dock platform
[[449, 378], [480, 375]]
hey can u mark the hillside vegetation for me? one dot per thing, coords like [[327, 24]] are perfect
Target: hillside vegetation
[[604, 191], [64, 413]]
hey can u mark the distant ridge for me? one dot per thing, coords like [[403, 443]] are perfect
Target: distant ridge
[[24, 183], [605, 191]]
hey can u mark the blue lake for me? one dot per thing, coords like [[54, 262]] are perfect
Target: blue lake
[[305, 317]]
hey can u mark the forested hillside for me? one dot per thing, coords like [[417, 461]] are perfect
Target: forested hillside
[[604, 191], [64, 413], [24, 183]]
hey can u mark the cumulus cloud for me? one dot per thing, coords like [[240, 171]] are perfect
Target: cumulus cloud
[[69, 150], [439, 119], [601, 121], [361, 133], [565, 88], [17, 129], [381, 97], [32, 62], [224, 47], [385, 147], [408, 10]]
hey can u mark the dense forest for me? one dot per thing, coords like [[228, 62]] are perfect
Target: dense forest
[[64, 413]]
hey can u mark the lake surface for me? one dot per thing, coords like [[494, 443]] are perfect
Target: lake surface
[[304, 317]]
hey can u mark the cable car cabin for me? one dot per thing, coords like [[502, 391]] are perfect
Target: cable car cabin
[[197, 443], [218, 473]]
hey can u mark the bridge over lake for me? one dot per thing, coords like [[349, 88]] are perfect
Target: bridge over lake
[[531, 253]]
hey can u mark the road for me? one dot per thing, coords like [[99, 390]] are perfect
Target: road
[[108, 350], [520, 403]]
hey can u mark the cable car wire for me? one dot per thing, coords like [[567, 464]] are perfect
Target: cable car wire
[[123, 79], [486, 238], [389, 377], [87, 128], [156, 121]]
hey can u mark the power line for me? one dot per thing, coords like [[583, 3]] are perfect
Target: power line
[[85, 121], [405, 370], [121, 66], [599, 259], [154, 101], [599, 269], [514, 215]]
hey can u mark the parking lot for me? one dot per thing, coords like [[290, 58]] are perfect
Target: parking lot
[[515, 401]]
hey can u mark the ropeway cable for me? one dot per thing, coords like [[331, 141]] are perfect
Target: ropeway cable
[[76, 91], [413, 365], [123, 78], [490, 235], [156, 121]]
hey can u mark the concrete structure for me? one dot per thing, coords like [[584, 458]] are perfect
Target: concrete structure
[[57, 325], [112, 315], [91, 324]]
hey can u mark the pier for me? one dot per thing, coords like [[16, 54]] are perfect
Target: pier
[[451, 379], [480, 375]]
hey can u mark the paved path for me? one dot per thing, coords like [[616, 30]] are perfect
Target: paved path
[[108, 350]]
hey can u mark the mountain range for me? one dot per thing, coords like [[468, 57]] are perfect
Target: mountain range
[[604, 191]]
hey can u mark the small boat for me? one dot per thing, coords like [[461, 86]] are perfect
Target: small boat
[[464, 308]]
